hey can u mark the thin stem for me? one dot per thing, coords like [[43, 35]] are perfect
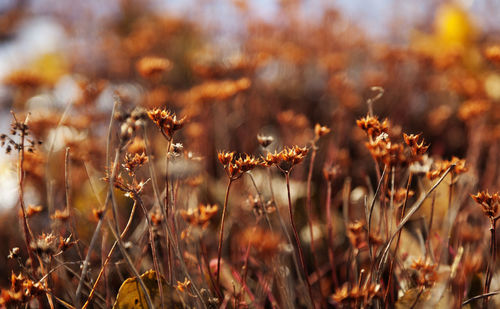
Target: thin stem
[[169, 244], [131, 266], [108, 257], [491, 263], [372, 206], [310, 211], [297, 239], [108, 197], [391, 267], [385, 251], [152, 245], [221, 232], [261, 201], [330, 232]]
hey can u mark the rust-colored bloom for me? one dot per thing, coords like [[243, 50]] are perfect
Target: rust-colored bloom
[[372, 126], [417, 149], [132, 162], [427, 274], [225, 157], [320, 130], [442, 166], [287, 158], [200, 216], [488, 202], [166, 121]]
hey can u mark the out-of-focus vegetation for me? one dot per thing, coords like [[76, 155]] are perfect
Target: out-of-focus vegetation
[[171, 161]]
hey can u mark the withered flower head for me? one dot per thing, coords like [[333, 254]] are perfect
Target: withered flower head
[[132, 162], [442, 166], [61, 215], [225, 157], [44, 246], [472, 109], [166, 121], [427, 274], [417, 149], [330, 173], [320, 130], [287, 158], [372, 126], [266, 243], [357, 295], [183, 286], [33, 210], [151, 67], [357, 234], [265, 140], [488, 202], [200, 216], [248, 163]]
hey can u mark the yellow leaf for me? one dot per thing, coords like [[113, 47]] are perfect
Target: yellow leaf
[[131, 294]]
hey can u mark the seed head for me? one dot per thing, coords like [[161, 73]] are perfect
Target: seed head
[[166, 121], [320, 130], [264, 140], [488, 202]]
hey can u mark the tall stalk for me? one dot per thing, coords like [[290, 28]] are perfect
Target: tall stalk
[[329, 227], [221, 232], [297, 239]]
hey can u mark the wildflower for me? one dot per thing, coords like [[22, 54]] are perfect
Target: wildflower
[[61, 215], [472, 109], [132, 162], [166, 121], [33, 210], [417, 149], [331, 172], [286, 159], [320, 130], [356, 295], [182, 286], [264, 140], [200, 216], [427, 274], [372, 126], [225, 157], [151, 67], [488, 202], [442, 166]]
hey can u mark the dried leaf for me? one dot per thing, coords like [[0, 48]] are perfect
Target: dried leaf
[[131, 295]]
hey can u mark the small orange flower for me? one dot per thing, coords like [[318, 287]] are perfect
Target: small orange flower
[[488, 202]]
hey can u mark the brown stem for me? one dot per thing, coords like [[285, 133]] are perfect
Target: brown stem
[[221, 232], [330, 232], [491, 263], [297, 239], [169, 244], [391, 267], [108, 257], [152, 245], [20, 170], [310, 211]]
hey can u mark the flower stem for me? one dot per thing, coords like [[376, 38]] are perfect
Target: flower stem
[[297, 240], [221, 232]]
